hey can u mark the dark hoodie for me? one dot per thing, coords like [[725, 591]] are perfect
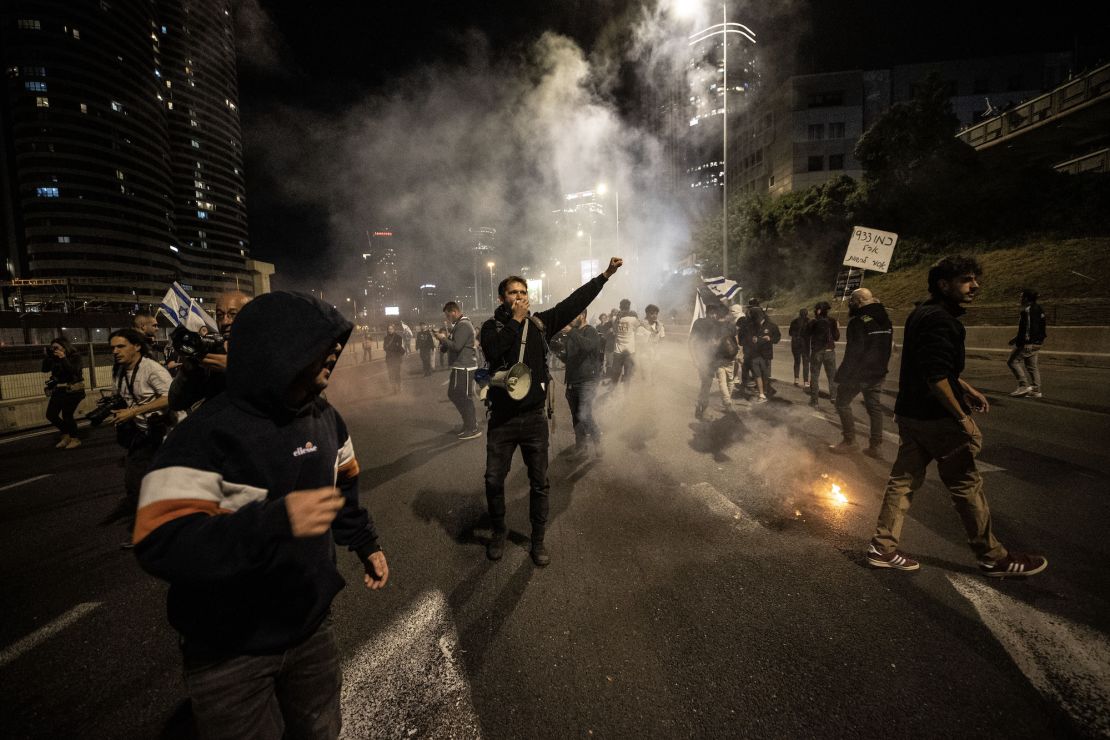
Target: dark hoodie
[[212, 520], [867, 353], [501, 337]]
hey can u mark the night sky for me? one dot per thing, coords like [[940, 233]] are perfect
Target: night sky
[[326, 57]]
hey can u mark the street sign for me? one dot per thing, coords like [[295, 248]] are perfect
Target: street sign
[[847, 280], [870, 249]]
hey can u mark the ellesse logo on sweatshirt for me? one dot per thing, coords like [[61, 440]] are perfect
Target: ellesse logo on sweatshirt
[[307, 449]]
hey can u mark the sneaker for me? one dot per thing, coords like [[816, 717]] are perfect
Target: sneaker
[[760, 399], [895, 560], [1035, 394], [472, 434], [797, 383], [73, 442], [495, 548], [539, 554], [844, 448], [1022, 390], [63, 441], [1014, 564], [875, 452]]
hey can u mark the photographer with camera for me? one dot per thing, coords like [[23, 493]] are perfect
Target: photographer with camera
[[142, 393], [200, 376], [241, 514], [516, 337], [66, 388]]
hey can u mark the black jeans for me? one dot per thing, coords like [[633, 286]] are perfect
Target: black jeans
[[801, 362], [872, 395], [293, 694], [59, 411], [426, 361], [580, 397], [139, 457], [529, 432], [458, 390]]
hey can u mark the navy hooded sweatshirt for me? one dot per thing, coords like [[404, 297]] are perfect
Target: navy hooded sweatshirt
[[212, 520]]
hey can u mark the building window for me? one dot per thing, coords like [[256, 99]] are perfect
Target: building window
[[35, 71], [815, 164], [84, 108], [42, 102], [117, 106], [77, 34], [29, 24], [827, 99], [194, 143], [836, 130], [63, 240], [119, 174], [35, 86], [202, 214], [50, 192], [816, 131], [836, 161]]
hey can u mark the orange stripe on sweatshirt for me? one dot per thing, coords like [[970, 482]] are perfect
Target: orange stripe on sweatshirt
[[153, 516], [349, 469]]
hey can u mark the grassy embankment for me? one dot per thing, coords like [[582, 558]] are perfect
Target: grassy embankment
[[1051, 267]]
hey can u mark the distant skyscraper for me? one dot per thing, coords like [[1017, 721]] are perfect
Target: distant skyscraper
[[121, 149], [383, 275], [481, 240]]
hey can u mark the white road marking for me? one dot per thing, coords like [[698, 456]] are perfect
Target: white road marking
[[28, 435], [25, 482], [41, 635], [1067, 662], [721, 505], [407, 682], [985, 467]]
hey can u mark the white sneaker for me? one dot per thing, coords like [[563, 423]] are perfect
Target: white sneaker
[[1035, 394], [1022, 390]]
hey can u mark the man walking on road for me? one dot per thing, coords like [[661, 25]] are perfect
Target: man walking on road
[[582, 352], [713, 348], [515, 336], [1030, 336], [462, 358], [241, 512], [870, 338], [933, 411], [823, 334], [425, 344]]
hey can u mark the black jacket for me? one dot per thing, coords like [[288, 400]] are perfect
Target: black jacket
[[582, 351], [1032, 326], [823, 333], [501, 335], [799, 340], [393, 345], [67, 370], [212, 519], [867, 354], [425, 341], [933, 349]]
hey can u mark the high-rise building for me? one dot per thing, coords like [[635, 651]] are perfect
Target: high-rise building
[[121, 152], [383, 272], [482, 240]]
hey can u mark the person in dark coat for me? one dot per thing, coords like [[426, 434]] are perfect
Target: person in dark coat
[[66, 387], [516, 336], [823, 334], [799, 347], [863, 369], [1027, 343], [580, 349], [394, 346]]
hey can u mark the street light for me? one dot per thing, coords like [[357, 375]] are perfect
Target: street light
[[722, 29], [490, 266]]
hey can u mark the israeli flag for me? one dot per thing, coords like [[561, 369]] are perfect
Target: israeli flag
[[182, 310], [722, 287]]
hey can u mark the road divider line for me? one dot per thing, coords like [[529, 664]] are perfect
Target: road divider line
[[407, 681], [1067, 662], [25, 482], [721, 505], [41, 635]]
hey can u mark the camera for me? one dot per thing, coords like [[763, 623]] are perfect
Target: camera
[[192, 345], [104, 408]]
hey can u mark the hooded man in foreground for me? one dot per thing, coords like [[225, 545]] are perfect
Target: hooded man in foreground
[[241, 512]]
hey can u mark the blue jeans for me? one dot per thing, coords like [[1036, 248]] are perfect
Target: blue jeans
[[294, 694], [529, 432], [580, 397]]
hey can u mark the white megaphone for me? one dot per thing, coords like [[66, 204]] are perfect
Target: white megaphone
[[516, 380]]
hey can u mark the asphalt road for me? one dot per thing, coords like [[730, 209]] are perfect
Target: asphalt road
[[704, 582]]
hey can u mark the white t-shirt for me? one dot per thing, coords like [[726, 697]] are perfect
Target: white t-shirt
[[145, 382]]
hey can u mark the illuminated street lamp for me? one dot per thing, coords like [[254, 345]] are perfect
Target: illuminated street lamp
[[722, 29], [490, 266]]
